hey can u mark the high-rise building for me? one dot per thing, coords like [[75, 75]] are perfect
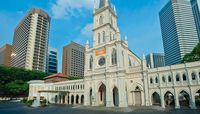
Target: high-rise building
[[178, 28], [196, 12], [30, 43], [155, 60], [52, 60], [5, 55], [73, 60]]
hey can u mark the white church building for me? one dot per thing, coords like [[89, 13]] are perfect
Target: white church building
[[115, 77]]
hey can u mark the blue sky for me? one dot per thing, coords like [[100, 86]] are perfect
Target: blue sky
[[71, 20]]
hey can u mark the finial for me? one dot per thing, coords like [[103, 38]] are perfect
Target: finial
[[94, 4], [126, 38], [114, 9], [144, 56], [87, 42]]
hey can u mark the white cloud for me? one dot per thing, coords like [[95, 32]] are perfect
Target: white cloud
[[66, 8], [87, 30]]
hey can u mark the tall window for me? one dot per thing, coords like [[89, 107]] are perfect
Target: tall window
[[129, 60], [91, 63], [151, 80], [177, 78], [99, 38], [184, 77], [169, 79], [114, 57], [110, 36], [101, 20], [104, 36], [156, 79], [193, 76]]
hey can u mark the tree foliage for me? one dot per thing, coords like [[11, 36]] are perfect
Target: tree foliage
[[13, 81], [193, 56]]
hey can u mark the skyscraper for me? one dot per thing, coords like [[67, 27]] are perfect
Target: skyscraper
[[155, 60], [178, 28], [73, 60], [5, 55], [30, 43], [52, 60], [196, 12]]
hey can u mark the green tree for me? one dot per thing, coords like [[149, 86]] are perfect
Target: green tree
[[193, 56]]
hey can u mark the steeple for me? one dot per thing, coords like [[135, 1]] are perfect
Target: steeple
[[104, 3]]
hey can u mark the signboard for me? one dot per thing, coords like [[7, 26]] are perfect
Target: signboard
[[101, 51]]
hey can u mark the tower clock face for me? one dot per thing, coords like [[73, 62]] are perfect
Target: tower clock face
[[102, 61]]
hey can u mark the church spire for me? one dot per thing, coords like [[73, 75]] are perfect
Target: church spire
[[104, 3]]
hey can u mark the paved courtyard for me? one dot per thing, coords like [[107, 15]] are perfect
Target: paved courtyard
[[18, 108]]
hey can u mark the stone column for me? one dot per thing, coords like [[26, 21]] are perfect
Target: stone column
[[70, 99], [192, 100], [122, 92], [162, 99], [109, 102], [176, 98]]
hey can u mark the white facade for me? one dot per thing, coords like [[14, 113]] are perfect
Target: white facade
[[114, 76]]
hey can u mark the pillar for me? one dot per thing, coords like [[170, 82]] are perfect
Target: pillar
[[192, 100], [122, 93], [162, 99], [109, 102], [176, 98]]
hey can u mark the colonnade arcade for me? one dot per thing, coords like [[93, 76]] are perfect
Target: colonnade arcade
[[102, 94], [180, 99]]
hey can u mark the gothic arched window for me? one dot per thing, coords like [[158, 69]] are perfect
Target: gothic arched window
[[99, 38], [177, 78], [104, 36], [156, 79], [163, 79], [184, 77], [114, 57], [110, 36], [193, 76], [151, 80], [91, 63], [101, 20], [129, 60], [169, 79]]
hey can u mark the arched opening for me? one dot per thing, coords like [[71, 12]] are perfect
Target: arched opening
[[91, 63], [177, 78], [193, 76], [156, 79], [114, 57], [151, 81], [169, 79], [197, 99], [82, 99], [101, 20], [138, 98], [56, 99], [169, 99], [63, 99], [163, 79], [104, 36], [156, 99], [99, 38], [184, 77], [184, 99], [77, 99], [90, 96], [102, 95], [115, 96], [72, 99]]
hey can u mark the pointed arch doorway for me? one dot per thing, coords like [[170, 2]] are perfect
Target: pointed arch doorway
[[115, 96], [102, 95], [138, 98]]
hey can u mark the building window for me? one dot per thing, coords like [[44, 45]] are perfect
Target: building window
[[193, 76], [110, 36], [101, 20], [114, 57], [104, 36], [151, 81], [169, 79], [129, 60], [177, 78], [163, 79], [91, 62], [99, 38], [184, 77], [156, 79]]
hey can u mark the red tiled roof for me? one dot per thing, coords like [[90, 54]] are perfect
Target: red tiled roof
[[56, 75]]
